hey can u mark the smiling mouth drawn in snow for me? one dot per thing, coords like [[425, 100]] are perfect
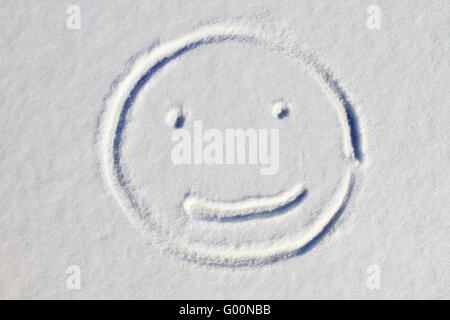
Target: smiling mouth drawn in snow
[[210, 216], [266, 206]]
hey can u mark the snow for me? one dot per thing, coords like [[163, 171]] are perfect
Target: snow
[[88, 181]]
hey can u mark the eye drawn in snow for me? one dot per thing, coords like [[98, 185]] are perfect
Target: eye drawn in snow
[[197, 212]]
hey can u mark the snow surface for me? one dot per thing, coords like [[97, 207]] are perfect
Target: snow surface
[[87, 177]]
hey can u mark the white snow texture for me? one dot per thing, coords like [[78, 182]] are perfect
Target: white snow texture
[[95, 94]]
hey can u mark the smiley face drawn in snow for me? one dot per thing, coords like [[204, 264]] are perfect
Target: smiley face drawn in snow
[[228, 76]]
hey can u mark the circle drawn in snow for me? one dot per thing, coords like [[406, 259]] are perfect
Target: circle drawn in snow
[[115, 119]]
